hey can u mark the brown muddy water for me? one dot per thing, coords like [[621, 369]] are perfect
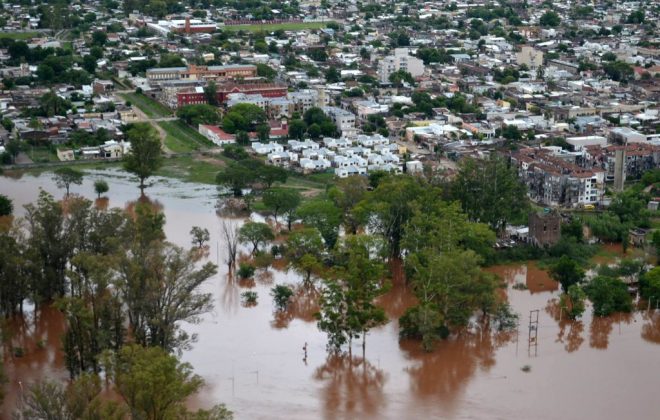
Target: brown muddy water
[[253, 360]]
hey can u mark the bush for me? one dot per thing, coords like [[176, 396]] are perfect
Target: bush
[[245, 270], [423, 322], [608, 295], [281, 295], [249, 297], [263, 259]]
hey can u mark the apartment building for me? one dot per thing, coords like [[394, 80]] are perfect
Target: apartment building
[[553, 181], [400, 60]]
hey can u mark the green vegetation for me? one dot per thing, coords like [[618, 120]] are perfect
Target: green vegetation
[[152, 108], [146, 155], [18, 35], [181, 138]]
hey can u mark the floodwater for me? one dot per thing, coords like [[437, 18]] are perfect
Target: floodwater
[[253, 360]]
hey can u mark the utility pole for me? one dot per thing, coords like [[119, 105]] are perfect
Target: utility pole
[[533, 334]]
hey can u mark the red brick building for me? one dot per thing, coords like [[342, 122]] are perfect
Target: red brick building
[[194, 96]]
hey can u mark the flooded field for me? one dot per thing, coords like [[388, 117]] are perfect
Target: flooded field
[[253, 360]]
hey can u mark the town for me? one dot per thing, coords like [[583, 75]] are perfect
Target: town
[[395, 141]]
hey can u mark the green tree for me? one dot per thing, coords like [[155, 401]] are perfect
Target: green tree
[[243, 117], [159, 283], [266, 71], [145, 156], [649, 284], [550, 18], [13, 147], [453, 285], [304, 252], [52, 104], [236, 177], [360, 270], [346, 194], [198, 114], [567, 272], [6, 205], [608, 295], [323, 215], [14, 274], [297, 129], [155, 385], [282, 201], [256, 233], [100, 187], [199, 236], [93, 310], [66, 176], [490, 192], [281, 296], [387, 209], [211, 93], [572, 302], [399, 77], [171, 60], [99, 38]]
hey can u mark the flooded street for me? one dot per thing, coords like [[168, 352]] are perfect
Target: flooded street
[[252, 360]]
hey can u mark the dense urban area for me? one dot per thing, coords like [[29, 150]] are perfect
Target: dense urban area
[[217, 209]]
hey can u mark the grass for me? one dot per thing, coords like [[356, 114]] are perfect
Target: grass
[[294, 26], [41, 154], [182, 138], [190, 169], [19, 35], [151, 108]]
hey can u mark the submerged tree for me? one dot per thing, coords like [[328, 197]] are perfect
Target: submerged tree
[[348, 309], [64, 177], [257, 234], [490, 192], [159, 286], [146, 155]]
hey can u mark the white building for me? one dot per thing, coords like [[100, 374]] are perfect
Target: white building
[[344, 120], [401, 60]]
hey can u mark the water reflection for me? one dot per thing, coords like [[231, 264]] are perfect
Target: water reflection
[[570, 331], [443, 374], [302, 305], [601, 328], [651, 329], [31, 349], [353, 387]]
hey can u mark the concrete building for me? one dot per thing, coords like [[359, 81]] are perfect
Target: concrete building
[[530, 56], [196, 95], [544, 229], [344, 120], [401, 60], [192, 73]]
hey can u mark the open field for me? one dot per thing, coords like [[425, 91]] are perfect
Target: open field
[[294, 26], [151, 108], [181, 138], [18, 35]]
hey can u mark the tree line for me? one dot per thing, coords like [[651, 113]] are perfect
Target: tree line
[[122, 288]]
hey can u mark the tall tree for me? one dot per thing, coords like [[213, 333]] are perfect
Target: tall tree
[[6, 205], [281, 201], [490, 192], [94, 313], [65, 176], [305, 251], [257, 234], [388, 208], [145, 156], [49, 248], [159, 285], [323, 215]]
